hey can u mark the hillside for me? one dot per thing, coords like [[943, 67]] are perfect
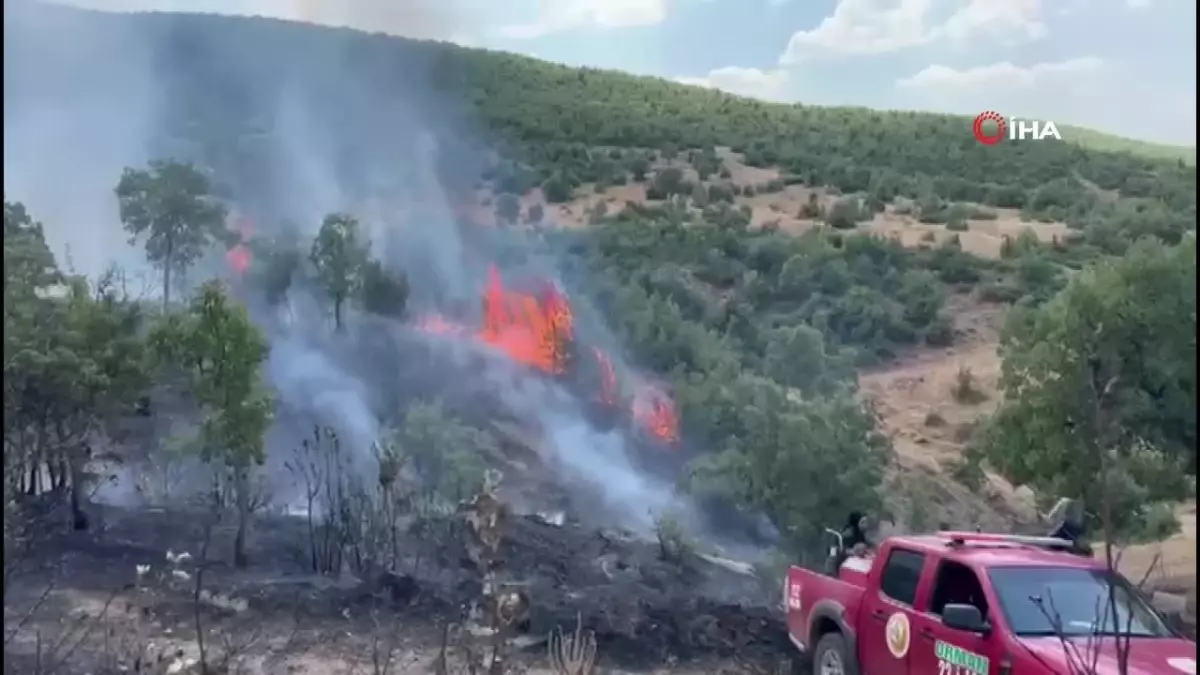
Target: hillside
[[685, 326], [552, 117], [1102, 141]]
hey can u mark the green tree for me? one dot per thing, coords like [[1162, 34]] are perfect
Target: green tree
[[278, 261], [844, 214], [28, 263], [1100, 387], [73, 364], [508, 208], [556, 189], [668, 181], [804, 462], [384, 292], [445, 452], [340, 254], [638, 167], [222, 352], [83, 372], [30, 275], [171, 205], [796, 357], [922, 296], [536, 213]]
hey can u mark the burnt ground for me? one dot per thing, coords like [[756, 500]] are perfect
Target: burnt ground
[[93, 613]]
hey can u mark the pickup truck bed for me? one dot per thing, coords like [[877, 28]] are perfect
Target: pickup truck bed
[[817, 604]]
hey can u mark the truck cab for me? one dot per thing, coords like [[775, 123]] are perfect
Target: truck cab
[[957, 603]]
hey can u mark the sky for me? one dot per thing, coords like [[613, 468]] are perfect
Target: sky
[[1121, 66]]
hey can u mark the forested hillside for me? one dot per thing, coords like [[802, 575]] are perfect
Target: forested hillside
[[304, 197], [222, 80]]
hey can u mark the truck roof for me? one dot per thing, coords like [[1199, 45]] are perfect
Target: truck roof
[[993, 550]]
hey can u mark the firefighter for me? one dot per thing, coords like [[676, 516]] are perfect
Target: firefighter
[[854, 535]]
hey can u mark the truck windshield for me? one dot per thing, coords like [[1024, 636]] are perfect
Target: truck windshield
[[1035, 599]]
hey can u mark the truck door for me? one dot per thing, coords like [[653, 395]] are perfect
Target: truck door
[[885, 637], [942, 650]]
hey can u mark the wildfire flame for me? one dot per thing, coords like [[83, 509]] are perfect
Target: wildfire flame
[[537, 330], [238, 257], [533, 329], [656, 413], [530, 330]]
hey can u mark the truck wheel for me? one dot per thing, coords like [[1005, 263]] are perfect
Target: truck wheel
[[833, 657]]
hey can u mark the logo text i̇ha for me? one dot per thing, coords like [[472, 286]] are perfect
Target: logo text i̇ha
[[1013, 129]]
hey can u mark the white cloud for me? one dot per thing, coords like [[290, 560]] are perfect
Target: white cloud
[[558, 15], [1005, 21], [769, 85], [432, 19], [1002, 76], [863, 27], [1086, 91], [872, 27]]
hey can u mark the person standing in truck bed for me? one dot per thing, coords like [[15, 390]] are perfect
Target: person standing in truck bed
[[854, 536]]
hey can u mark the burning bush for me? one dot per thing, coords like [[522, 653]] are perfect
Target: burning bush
[[537, 330]]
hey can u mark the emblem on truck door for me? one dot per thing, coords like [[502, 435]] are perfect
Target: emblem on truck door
[[896, 634]]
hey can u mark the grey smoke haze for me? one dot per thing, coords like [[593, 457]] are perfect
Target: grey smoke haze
[[87, 94], [425, 19], [67, 136]]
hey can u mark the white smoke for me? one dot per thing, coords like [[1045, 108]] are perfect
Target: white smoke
[[74, 120]]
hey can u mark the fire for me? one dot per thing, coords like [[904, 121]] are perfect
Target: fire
[[655, 411], [238, 257], [537, 330], [530, 330]]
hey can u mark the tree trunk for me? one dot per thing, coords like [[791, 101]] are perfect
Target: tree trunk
[[168, 260], [242, 486], [337, 314], [79, 519], [166, 289]]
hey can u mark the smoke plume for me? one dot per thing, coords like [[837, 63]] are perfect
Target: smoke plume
[[299, 129]]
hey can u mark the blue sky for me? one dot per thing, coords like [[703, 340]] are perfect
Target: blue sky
[[1123, 66]]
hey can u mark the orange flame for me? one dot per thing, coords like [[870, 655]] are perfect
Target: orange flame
[[537, 330], [239, 257], [530, 330], [655, 411]]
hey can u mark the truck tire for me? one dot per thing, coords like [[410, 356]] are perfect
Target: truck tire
[[833, 656]]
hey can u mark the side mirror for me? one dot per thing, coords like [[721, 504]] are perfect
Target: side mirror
[[965, 618]]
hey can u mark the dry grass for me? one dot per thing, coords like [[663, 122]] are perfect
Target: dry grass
[[982, 238], [1176, 567], [920, 384]]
